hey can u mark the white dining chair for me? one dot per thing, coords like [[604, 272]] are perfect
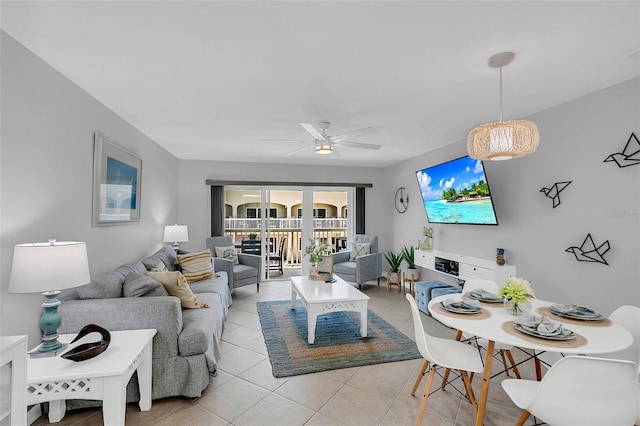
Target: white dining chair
[[579, 390], [500, 348], [629, 317], [442, 353]]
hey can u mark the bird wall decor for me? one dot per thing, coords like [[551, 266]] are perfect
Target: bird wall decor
[[555, 190], [630, 155], [588, 252]]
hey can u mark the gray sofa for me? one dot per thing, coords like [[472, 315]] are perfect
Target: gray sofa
[[187, 345]]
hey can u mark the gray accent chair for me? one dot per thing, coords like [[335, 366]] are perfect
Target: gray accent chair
[[365, 268], [245, 273]]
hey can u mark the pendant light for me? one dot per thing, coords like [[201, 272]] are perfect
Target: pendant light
[[503, 140]]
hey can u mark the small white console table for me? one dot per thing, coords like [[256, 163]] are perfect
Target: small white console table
[[104, 377], [13, 408], [464, 267]]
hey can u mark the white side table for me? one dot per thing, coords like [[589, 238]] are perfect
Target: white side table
[[103, 377], [14, 351]]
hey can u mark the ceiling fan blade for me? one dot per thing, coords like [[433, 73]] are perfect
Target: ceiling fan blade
[[284, 140], [363, 131], [313, 131], [357, 145], [295, 151]]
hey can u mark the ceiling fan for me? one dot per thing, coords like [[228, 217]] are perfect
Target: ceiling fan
[[324, 144]]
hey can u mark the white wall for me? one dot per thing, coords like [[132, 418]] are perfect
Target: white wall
[[603, 200], [195, 195], [46, 177]]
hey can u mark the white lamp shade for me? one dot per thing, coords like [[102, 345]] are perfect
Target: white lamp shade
[[40, 267], [176, 234]]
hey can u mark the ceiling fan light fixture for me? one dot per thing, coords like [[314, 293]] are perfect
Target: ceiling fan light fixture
[[503, 140], [324, 149]]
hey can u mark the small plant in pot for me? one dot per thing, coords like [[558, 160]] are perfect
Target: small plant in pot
[[409, 256], [395, 262], [253, 236]]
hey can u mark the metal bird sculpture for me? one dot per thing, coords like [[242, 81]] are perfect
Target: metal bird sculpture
[[630, 155], [588, 252], [554, 191]]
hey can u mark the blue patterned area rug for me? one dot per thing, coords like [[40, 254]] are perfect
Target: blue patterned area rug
[[338, 343]]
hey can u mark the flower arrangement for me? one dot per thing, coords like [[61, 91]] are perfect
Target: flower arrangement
[[517, 294], [428, 241], [316, 250]]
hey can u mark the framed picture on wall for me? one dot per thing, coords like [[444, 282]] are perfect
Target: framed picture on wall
[[116, 184]]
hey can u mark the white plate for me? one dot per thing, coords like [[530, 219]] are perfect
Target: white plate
[[475, 296], [574, 315], [567, 335], [471, 310]]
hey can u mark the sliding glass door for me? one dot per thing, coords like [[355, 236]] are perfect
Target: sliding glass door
[[276, 221]]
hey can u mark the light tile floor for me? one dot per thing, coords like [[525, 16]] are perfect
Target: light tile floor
[[244, 392]]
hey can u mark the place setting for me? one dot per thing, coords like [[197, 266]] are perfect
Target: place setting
[[542, 329], [457, 308], [482, 296], [575, 314]]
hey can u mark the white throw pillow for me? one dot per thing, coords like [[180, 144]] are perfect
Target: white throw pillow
[[228, 253], [359, 249]]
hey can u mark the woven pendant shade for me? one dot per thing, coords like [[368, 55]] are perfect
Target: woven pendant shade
[[503, 140]]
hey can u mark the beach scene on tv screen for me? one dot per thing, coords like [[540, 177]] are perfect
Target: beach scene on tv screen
[[457, 192]]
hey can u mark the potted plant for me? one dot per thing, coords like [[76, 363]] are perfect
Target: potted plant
[[253, 236], [409, 256], [395, 262], [316, 250]]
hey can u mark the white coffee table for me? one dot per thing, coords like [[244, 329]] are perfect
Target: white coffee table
[[321, 298], [103, 377]]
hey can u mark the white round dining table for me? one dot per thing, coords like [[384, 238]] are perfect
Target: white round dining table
[[597, 339]]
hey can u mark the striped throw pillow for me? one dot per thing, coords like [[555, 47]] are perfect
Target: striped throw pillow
[[195, 266]]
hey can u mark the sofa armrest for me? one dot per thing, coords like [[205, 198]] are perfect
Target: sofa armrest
[[342, 256], [162, 313], [368, 267]]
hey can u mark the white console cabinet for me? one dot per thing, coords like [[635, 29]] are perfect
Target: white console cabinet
[[464, 267]]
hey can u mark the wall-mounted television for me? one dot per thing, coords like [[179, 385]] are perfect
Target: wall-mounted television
[[457, 192]]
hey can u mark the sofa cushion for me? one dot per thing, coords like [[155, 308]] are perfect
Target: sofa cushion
[[228, 253], [105, 286], [138, 285], [177, 285], [347, 268], [166, 255], [196, 266], [360, 249], [128, 268], [241, 272]]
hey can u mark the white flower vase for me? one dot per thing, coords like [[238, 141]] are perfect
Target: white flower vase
[[517, 308]]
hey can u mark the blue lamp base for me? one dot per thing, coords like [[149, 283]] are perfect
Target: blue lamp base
[[49, 323]]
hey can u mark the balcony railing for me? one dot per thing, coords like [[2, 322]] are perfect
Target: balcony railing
[[333, 231], [283, 223]]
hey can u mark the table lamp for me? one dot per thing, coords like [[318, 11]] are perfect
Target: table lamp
[[176, 234], [43, 267]]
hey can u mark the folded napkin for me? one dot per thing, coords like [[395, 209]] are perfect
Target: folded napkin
[[480, 293], [458, 304], [543, 325], [574, 309]]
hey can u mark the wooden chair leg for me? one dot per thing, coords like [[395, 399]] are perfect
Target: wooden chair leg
[[427, 388], [419, 378], [523, 418], [469, 390], [445, 378], [513, 364], [504, 362]]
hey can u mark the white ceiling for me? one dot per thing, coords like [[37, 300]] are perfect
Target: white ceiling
[[211, 80]]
